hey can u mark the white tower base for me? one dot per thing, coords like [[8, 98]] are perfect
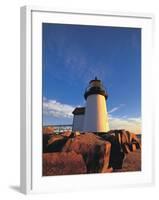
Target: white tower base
[[96, 116]]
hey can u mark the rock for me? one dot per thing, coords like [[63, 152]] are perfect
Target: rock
[[134, 139], [95, 151], [121, 142], [63, 163], [46, 138], [48, 130], [125, 139], [76, 133], [101, 153], [56, 143], [116, 155], [67, 134], [106, 168], [132, 162], [128, 139], [55, 138], [133, 146]]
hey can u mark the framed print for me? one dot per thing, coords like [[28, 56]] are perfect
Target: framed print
[[86, 100]]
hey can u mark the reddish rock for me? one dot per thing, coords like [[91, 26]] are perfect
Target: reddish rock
[[133, 147], [116, 155], [95, 151], [55, 143], [132, 162], [63, 163], [46, 138], [77, 133], [48, 130], [67, 134], [106, 168], [121, 142], [134, 139], [101, 153], [128, 139], [55, 138], [124, 138]]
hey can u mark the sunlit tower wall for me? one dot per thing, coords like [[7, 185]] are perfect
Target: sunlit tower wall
[[96, 115]]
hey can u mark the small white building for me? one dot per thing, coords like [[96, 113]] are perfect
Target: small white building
[[93, 117], [78, 119]]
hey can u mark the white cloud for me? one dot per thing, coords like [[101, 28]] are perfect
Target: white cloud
[[137, 120], [113, 109], [59, 110], [116, 108], [56, 109], [131, 124]]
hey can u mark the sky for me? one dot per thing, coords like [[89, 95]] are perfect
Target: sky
[[74, 54]]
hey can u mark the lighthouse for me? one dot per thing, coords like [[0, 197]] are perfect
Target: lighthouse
[[93, 117], [96, 116]]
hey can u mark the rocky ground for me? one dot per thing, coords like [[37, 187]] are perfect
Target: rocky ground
[[132, 162], [83, 153]]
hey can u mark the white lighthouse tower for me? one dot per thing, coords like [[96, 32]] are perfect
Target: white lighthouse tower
[[96, 116]]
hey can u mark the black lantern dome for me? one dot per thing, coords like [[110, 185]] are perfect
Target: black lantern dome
[[95, 87]]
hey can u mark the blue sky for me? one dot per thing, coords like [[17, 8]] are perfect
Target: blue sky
[[75, 54]]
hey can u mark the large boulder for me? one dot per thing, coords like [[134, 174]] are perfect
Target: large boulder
[[55, 143], [129, 141], [116, 155], [46, 138], [124, 138], [134, 140], [95, 151], [132, 162], [48, 130], [63, 163], [67, 134], [122, 143]]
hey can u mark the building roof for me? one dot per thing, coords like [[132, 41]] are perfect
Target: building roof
[[79, 111], [95, 87], [96, 79]]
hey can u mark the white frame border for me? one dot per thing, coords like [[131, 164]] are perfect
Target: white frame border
[[26, 89]]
